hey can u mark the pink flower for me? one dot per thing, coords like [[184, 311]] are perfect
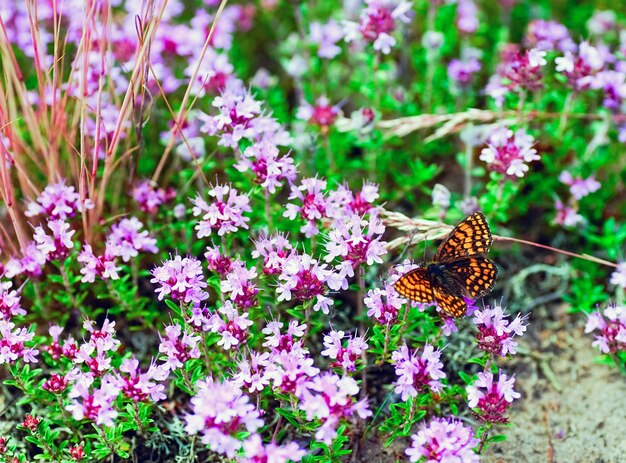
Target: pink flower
[[97, 266], [322, 114], [378, 21], [415, 372], [57, 246], [314, 207], [548, 35], [220, 412], [232, 327], [359, 203], [138, 386], [579, 187], [180, 278], [356, 241], [495, 332], [383, 304], [29, 265], [93, 404], [567, 216], [508, 152], [329, 399], [326, 36], [127, 239], [461, 72], [346, 356], [224, 214], [274, 249], [9, 302], [271, 170], [178, 349], [217, 262], [611, 327], [580, 69], [443, 441], [149, 197], [240, 286], [69, 349], [56, 202], [252, 374], [13, 344], [305, 279], [279, 342], [467, 16], [521, 71], [492, 403], [255, 451], [56, 384], [291, 370]]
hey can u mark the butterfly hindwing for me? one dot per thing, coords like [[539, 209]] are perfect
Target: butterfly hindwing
[[476, 274], [452, 306], [470, 237], [415, 286]]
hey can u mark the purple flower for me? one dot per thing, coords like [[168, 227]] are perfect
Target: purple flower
[[57, 246], [217, 262], [579, 187], [291, 370], [508, 152], [519, 71], [57, 202], [264, 160], [178, 349], [567, 216], [618, 277], [93, 404], [29, 265], [383, 304], [580, 69], [220, 412], [359, 203], [322, 114], [224, 214], [13, 344], [69, 349], [443, 441], [255, 451], [149, 197], [495, 332], [329, 399], [491, 400], [378, 21], [279, 342], [326, 36], [548, 35], [138, 386], [274, 249], [415, 372], [315, 206], [127, 239], [613, 84], [251, 374], [9, 302], [611, 327], [344, 357], [467, 16], [461, 72], [240, 286], [356, 241], [232, 327], [304, 279], [180, 278], [97, 266]]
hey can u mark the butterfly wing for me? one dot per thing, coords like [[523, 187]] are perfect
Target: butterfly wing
[[415, 285], [477, 274], [470, 237], [452, 306]]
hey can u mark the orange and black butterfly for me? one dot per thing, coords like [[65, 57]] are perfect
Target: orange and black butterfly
[[458, 269]]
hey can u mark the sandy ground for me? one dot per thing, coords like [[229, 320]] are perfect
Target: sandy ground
[[572, 409]]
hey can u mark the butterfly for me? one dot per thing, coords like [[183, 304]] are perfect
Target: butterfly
[[459, 269]]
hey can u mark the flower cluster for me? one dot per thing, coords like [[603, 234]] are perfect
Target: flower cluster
[[225, 212], [182, 279], [491, 400], [610, 327], [443, 440], [509, 153], [9, 302], [495, 332], [13, 344], [149, 197], [344, 357], [57, 201], [417, 372], [270, 169], [383, 304]]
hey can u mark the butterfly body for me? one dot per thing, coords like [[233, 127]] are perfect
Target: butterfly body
[[459, 269]]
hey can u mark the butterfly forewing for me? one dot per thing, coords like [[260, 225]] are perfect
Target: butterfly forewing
[[476, 274], [415, 285], [451, 305], [470, 237]]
